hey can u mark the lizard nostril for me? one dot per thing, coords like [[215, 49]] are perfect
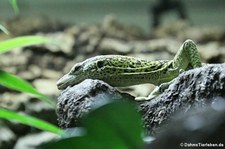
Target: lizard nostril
[[58, 83]]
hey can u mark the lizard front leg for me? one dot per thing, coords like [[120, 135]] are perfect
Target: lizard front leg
[[186, 56], [157, 91]]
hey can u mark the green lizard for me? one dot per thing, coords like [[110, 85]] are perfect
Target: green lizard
[[121, 71]]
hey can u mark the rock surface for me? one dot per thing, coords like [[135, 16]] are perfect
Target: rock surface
[[193, 88], [201, 128], [7, 138], [74, 102]]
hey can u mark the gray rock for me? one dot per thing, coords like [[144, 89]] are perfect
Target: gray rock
[[32, 141], [14, 58], [114, 29], [8, 100], [193, 88], [197, 128], [182, 30], [63, 42], [7, 138], [27, 25], [114, 46], [74, 102], [46, 86], [21, 102]]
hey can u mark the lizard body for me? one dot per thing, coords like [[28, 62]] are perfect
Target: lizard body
[[120, 71]]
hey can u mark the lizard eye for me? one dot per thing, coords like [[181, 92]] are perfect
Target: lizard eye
[[77, 67], [100, 64]]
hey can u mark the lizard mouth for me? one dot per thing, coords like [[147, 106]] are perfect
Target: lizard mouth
[[65, 81]]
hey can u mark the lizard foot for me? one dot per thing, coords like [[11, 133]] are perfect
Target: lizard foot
[[157, 91], [152, 95]]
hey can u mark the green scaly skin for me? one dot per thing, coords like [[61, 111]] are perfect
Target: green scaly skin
[[121, 71]]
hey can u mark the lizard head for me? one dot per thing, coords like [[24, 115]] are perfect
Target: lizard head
[[79, 72]]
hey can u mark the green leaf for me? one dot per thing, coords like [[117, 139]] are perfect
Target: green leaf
[[29, 120], [14, 6], [16, 83], [21, 41], [114, 126], [118, 124]]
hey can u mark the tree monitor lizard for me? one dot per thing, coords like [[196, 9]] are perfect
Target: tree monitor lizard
[[121, 71]]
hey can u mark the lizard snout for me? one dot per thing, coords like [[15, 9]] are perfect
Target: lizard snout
[[65, 81]]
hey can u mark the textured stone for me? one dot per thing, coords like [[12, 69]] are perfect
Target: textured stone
[[193, 88], [195, 128], [7, 138], [46, 86], [74, 102]]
